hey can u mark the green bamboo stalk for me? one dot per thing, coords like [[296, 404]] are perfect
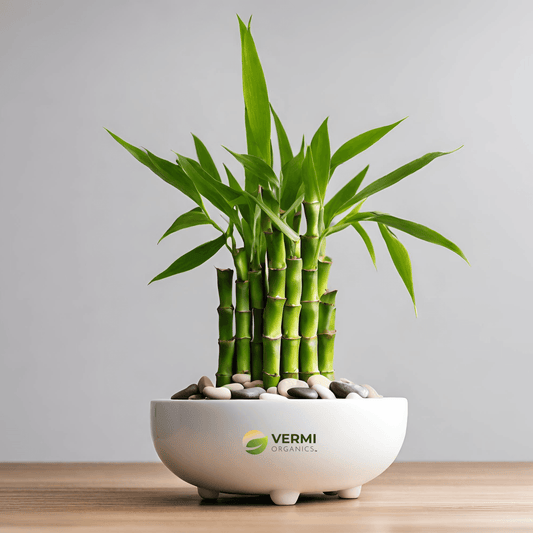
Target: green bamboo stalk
[[310, 301], [326, 334], [273, 315], [257, 301], [226, 341], [243, 314], [290, 342]]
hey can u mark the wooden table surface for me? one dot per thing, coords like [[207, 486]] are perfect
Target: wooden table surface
[[132, 497]]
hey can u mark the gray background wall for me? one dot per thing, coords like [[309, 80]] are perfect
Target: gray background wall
[[85, 344]]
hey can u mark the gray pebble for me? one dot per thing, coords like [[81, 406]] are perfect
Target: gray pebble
[[341, 389], [217, 393], [324, 392], [256, 383], [204, 382], [234, 386], [248, 394], [185, 393], [197, 397], [304, 393], [241, 378]]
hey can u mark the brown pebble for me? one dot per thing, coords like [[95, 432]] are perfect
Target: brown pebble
[[241, 378], [197, 397], [372, 393], [234, 386], [204, 382], [185, 393], [256, 383]]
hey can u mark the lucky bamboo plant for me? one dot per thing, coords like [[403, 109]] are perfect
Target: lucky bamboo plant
[[280, 323]]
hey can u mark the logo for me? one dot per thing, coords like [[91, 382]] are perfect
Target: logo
[[254, 442]]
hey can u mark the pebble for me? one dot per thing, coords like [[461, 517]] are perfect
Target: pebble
[[344, 380], [290, 383], [196, 397], [272, 390], [342, 389], [354, 396], [185, 393], [218, 393], [276, 397], [241, 378], [204, 382], [303, 393], [318, 379], [234, 386], [324, 392], [256, 383], [248, 394], [372, 393]]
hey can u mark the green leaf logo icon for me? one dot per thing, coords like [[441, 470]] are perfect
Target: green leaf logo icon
[[254, 442]]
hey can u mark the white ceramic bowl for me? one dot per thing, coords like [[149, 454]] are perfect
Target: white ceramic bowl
[[278, 448]]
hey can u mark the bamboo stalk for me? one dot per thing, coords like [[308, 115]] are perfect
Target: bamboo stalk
[[290, 342], [226, 341], [309, 301], [257, 301], [326, 334], [273, 315], [243, 314]]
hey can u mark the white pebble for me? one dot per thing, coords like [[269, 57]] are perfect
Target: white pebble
[[318, 379], [372, 393], [256, 383], [217, 393], [353, 396], [324, 392], [285, 384], [234, 386], [275, 397], [272, 390], [241, 378]]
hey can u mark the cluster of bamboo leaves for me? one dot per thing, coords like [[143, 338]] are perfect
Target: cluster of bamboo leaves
[[275, 263]]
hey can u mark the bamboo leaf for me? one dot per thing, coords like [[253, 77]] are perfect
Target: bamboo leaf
[[164, 169], [366, 239], [262, 171], [292, 180], [342, 201], [275, 219], [255, 93], [417, 230], [399, 174], [214, 191], [295, 205], [359, 144], [309, 178], [195, 217], [193, 259], [233, 183], [321, 157], [205, 159], [285, 150], [400, 258]]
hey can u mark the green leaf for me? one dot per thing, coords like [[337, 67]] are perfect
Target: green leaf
[[399, 174], [193, 259], [167, 171], [255, 93], [233, 183], [400, 258], [417, 230], [195, 217], [366, 239], [205, 159], [214, 191], [292, 180], [295, 205], [359, 144], [285, 150], [263, 172], [321, 156], [309, 178], [274, 218], [342, 201]]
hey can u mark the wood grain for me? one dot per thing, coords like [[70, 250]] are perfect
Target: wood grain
[[409, 497]]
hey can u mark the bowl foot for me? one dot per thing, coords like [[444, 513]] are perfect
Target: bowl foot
[[207, 494], [284, 497], [349, 494], [331, 493]]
